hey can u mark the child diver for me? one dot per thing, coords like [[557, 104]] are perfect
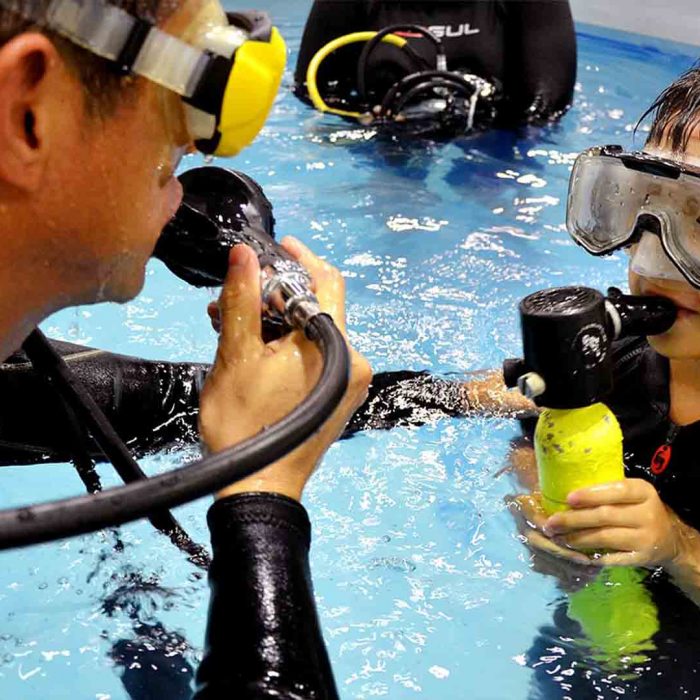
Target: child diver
[[438, 67], [649, 205]]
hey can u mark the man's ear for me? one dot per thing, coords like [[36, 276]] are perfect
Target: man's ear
[[25, 102]]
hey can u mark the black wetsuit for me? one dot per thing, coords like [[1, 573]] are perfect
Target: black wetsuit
[[154, 405], [527, 48], [656, 449], [263, 636]]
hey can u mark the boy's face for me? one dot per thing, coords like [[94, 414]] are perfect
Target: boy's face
[[682, 341]]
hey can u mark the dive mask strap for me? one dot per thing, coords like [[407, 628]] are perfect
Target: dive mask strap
[[136, 45]]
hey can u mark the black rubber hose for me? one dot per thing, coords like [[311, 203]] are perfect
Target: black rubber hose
[[372, 44], [79, 402], [406, 84], [55, 520]]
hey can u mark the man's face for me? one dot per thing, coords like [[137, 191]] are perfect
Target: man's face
[[683, 340], [116, 187]]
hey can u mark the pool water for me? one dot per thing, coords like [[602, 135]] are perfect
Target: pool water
[[423, 587]]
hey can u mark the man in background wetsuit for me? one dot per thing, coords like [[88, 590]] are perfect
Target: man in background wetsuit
[[527, 50], [87, 161]]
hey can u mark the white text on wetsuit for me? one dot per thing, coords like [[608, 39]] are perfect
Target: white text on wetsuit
[[452, 32]]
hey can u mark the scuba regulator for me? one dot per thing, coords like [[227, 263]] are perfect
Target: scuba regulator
[[220, 208], [567, 335], [567, 368], [430, 100]]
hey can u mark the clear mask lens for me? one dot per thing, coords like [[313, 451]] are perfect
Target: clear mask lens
[[648, 259], [210, 15]]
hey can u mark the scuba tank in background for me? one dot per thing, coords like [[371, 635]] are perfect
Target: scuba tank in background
[[567, 368]]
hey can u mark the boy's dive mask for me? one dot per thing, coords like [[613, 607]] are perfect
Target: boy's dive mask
[[617, 199], [227, 68]]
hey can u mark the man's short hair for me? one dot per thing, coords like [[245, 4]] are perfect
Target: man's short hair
[[103, 84], [676, 112]]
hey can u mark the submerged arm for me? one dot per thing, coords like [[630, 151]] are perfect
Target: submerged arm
[[415, 398], [684, 568], [486, 394]]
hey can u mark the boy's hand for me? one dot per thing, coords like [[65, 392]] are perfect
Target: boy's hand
[[530, 519], [626, 519], [573, 569]]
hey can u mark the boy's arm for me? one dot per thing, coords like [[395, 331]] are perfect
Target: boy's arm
[[415, 398], [684, 569], [486, 394]]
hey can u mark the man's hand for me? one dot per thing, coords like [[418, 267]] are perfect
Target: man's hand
[[253, 385], [624, 519]]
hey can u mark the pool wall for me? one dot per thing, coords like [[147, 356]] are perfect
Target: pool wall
[[675, 20]]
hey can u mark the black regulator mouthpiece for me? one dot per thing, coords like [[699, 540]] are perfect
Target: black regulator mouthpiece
[[220, 209], [567, 336]]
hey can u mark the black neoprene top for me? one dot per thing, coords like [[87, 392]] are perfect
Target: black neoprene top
[[656, 449], [263, 635], [527, 48]]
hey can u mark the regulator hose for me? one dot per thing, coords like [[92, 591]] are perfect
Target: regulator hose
[[151, 497], [325, 51], [81, 407], [371, 45], [424, 87]]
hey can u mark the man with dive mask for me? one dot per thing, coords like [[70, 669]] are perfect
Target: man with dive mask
[[438, 68], [98, 102]]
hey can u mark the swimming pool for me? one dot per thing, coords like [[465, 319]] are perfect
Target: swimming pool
[[423, 588]]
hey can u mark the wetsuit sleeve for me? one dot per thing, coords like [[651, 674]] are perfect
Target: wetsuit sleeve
[[408, 398], [263, 635], [152, 405], [328, 20], [540, 71]]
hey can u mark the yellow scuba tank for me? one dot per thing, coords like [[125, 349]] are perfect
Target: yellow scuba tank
[[578, 441], [577, 448]]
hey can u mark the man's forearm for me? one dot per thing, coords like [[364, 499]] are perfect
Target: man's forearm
[[486, 394], [263, 635]]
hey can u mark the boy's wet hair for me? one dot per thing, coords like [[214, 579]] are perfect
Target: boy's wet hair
[[676, 112], [103, 85]]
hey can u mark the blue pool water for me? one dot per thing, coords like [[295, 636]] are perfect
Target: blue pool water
[[423, 588]]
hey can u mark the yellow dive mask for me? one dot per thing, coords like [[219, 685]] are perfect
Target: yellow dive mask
[[227, 68]]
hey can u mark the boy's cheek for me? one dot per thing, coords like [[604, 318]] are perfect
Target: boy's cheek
[[634, 282], [682, 341]]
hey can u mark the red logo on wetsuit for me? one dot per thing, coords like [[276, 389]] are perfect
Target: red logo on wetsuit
[[661, 459]]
